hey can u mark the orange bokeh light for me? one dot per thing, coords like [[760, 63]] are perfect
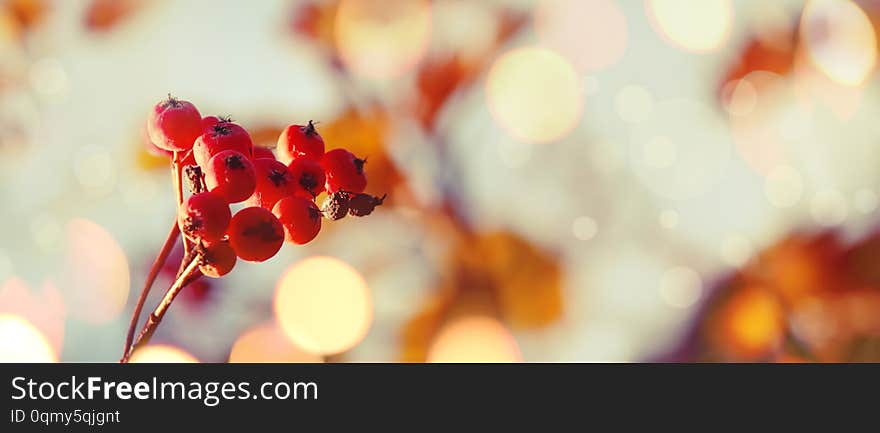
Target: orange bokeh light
[[161, 353], [839, 40], [267, 343], [382, 39], [695, 26], [323, 305], [44, 309], [96, 280], [20, 341], [535, 95], [749, 325], [474, 339]]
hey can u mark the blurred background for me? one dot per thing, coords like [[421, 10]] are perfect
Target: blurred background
[[568, 180]]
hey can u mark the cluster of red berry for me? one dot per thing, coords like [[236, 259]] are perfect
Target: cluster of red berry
[[278, 194]]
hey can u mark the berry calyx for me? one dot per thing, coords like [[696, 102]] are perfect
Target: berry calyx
[[208, 122], [217, 259], [300, 218], [308, 174], [335, 206], [274, 182], [231, 175], [255, 234], [300, 141], [343, 171], [204, 216], [222, 136], [174, 124], [363, 204]]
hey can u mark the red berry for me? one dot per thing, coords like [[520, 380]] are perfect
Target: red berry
[[274, 182], [231, 175], [218, 259], [174, 124], [204, 216], [298, 141], [308, 174], [300, 217], [222, 136], [263, 152], [344, 171], [208, 122], [255, 234], [158, 151]]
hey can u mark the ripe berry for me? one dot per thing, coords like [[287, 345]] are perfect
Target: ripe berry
[[344, 171], [297, 141], [218, 258], [174, 124], [255, 234], [204, 216], [208, 123], [231, 175], [300, 217], [222, 136], [263, 152], [363, 204], [274, 182], [308, 174], [335, 206]]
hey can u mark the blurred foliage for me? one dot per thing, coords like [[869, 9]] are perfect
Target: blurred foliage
[[810, 296]]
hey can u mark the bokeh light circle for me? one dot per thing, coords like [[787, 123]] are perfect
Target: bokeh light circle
[[382, 39], [829, 207], [584, 228], [267, 343], [474, 339], [20, 341], [749, 324], [680, 287], [681, 151], [695, 26], [634, 104], [160, 354], [784, 186], [534, 94], [96, 282], [839, 40], [592, 34], [736, 250], [866, 201], [323, 305]]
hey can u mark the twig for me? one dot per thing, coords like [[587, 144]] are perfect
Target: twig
[[173, 234], [157, 315]]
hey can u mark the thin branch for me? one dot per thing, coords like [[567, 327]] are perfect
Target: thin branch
[[173, 234], [157, 315]]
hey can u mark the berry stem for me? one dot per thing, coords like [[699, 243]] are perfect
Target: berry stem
[[156, 316], [177, 170], [178, 173], [173, 234]]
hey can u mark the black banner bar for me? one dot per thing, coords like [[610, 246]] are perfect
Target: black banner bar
[[230, 397]]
